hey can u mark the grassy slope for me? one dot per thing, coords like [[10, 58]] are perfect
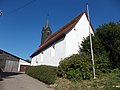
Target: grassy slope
[[109, 81]]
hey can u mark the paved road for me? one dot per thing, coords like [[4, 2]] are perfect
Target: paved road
[[22, 82]]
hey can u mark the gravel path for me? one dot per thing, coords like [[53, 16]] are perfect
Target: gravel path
[[22, 82]]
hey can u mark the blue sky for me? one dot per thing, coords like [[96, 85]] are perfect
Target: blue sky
[[23, 20]]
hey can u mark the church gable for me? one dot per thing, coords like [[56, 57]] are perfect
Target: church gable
[[76, 35]]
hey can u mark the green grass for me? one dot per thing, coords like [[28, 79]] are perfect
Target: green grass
[[108, 81]]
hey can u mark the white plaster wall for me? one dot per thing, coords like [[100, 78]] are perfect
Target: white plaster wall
[[75, 36], [38, 59], [22, 62], [33, 61], [48, 59], [59, 53]]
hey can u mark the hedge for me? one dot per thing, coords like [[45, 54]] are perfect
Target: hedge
[[46, 74]]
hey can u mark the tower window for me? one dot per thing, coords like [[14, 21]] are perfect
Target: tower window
[[48, 32]]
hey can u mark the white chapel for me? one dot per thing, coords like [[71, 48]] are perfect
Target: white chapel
[[63, 43]]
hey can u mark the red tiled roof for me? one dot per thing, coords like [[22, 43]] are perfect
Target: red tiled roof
[[59, 34]]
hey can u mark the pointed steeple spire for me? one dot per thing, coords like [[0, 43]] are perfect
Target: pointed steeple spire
[[46, 32], [47, 24]]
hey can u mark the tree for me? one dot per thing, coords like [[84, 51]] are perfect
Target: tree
[[109, 35], [106, 40]]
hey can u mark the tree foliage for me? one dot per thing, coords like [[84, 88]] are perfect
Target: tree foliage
[[109, 35], [106, 40]]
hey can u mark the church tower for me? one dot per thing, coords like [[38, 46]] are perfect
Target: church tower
[[46, 32]]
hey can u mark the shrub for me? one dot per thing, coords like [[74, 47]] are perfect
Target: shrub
[[75, 67], [102, 64], [46, 74]]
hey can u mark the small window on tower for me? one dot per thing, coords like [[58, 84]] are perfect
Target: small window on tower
[[48, 32]]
